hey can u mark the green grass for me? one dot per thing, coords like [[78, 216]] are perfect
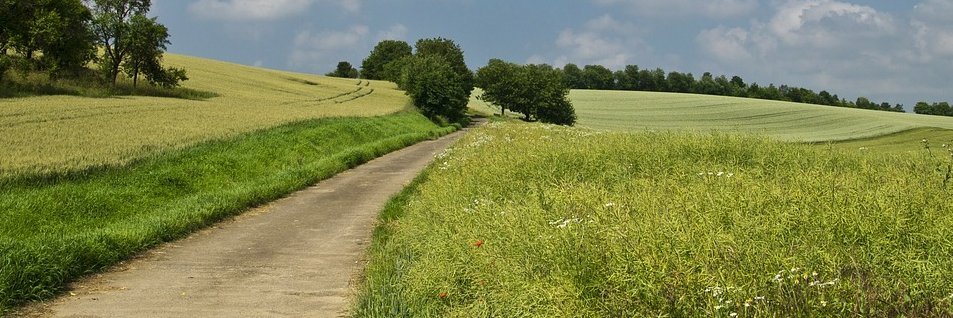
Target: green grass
[[52, 135], [651, 111], [54, 229], [521, 220]]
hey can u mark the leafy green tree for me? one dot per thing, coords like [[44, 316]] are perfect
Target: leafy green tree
[[547, 90], [628, 78], [500, 82], [573, 76], [146, 40], [56, 28], [680, 82], [452, 54], [345, 70], [384, 53], [539, 92], [436, 88], [112, 21], [597, 77]]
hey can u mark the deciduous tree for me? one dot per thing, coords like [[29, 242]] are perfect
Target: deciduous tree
[[112, 21], [384, 53], [345, 70]]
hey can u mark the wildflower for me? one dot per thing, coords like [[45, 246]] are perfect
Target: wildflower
[[734, 314], [610, 204], [478, 243], [759, 298], [442, 295], [823, 303]]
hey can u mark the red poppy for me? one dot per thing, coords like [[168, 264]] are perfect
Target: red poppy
[[478, 243], [442, 295]]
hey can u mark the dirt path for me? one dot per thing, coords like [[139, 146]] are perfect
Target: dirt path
[[295, 257]]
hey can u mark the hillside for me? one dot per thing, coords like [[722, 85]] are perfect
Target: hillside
[[639, 111], [67, 133]]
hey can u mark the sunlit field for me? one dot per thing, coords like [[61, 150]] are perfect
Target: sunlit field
[[523, 220], [56, 134], [651, 111]]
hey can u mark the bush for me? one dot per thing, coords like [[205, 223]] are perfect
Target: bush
[[560, 112]]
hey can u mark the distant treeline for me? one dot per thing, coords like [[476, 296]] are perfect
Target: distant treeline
[[632, 78], [940, 109]]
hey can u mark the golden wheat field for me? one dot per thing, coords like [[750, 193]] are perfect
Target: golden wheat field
[[53, 134]]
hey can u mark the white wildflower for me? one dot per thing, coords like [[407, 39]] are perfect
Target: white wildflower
[[734, 314], [609, 205]]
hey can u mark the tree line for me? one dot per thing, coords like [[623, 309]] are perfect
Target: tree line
[[939, 109], [437, 79], [62, 37], [657, 80]]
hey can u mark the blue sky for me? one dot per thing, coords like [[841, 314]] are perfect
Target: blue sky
[[900, 51]]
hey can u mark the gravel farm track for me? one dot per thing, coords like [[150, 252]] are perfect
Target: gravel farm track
[[295, 257]]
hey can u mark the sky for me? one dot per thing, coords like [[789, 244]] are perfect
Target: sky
[[898, 51]]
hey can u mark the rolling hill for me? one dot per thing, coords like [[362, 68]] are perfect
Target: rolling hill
[[640, 111], [68, 133]]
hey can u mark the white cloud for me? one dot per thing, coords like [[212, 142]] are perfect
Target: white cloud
[[319, 50], [708, 8], [933, 27], [330, 40], [851, 49], [395, 32], [726, 44], [603, 40], [826, 23], [260, 10], [247, 9]]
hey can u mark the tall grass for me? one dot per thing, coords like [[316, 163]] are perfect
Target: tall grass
[[54, 229], [525, 221]]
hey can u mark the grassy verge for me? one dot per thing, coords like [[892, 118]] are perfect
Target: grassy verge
[[522, 220], [53, 230]]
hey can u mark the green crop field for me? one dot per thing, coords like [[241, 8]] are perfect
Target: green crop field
[[56, 134], [642, 111], [524, 220]]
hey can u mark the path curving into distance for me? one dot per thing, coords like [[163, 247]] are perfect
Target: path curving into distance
[[295, 257]]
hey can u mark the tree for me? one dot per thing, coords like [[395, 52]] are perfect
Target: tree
[[628, 78], [680, 83], [435, 88], [56, 28], [572, 75], [500, 82], [597, 77], [146, 40], [384, 53], [539, 92], [345, 70], [452, 54], [112, 20]]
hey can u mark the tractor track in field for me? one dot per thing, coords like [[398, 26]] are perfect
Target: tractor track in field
[[298, 256]]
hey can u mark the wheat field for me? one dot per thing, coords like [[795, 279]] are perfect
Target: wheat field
[[652, 111], [60, 134]]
